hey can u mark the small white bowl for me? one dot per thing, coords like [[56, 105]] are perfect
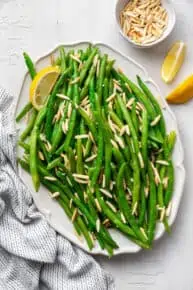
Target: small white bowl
[[167, 4]]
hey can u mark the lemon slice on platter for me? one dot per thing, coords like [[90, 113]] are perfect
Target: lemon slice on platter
[[173, 62], [42, 85]]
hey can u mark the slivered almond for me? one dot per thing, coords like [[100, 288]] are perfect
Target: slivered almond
[[111, 206], [130, 103], [80, 176], [123, 218], [156, 174], [63, 97], [50, 178], [41, 155], [162, 162], [75, 81], [91, 158], [55, 194], [76, 58], [83, 136], [114, 144], [134, 210], [74, 215], [139, 20], [169, 208], [98, 224], [106, 192], [109, 99], [98, 205], [119, 141]]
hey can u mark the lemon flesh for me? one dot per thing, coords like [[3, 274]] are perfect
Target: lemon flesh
[[173, 62], [42, 85]]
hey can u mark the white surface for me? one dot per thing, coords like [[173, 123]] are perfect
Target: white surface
[[49, 206], [167, 4], [37, 25]]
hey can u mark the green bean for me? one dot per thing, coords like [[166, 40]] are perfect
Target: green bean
[[154, 102], [111, 86], [118, 110], [108, 157], [99, 159], [124, 206], [54, 163], [79, 161], [170, 187], [129, 123], [25, 146], [59, 131], [33, 149], [58, 61], [134, 118], [152, 212], [73, 117], [106, 93], [50, 104], [101, 76], [63, 60], [169, 144], [142, 207], [88, 148], [136, 179], [87, 65], [33, 159], [153, 145], [109, 67], [32, 73], [153, 136], [88, 121], [117, 221], [116, 119], [29, 127], [92, 93], [91, 74], [117, 156], [24, 111], [30, 65], [43, 149], [72, 159], [87, 53], [144, 137]]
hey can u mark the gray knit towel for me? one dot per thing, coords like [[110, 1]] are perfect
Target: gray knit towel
[[32, 255]]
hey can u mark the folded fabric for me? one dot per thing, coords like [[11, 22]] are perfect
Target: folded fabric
[[33, 255]]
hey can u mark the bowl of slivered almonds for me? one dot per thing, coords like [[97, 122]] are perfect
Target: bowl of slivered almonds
[[145, 23]]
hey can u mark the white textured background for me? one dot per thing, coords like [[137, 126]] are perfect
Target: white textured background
[[37, 26]]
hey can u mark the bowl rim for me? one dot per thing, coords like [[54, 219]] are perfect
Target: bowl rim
[[167, 32]]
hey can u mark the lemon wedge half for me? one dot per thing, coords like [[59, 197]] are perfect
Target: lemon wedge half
[[42, 85], [173, 62]]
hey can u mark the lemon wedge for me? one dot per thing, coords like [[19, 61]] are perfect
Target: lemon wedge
[[182, 93], [173, 62], [42, 85]]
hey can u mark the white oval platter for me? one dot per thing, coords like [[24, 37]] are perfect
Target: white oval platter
[[49, 207]]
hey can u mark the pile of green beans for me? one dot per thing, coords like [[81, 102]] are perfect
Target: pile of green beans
[[100, 146]]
